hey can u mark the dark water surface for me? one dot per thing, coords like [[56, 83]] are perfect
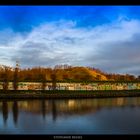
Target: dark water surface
[[71, 116]]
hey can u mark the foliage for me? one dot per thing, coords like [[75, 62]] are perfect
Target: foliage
[[63, 73]]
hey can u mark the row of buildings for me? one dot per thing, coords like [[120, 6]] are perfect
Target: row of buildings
[[75, 86]]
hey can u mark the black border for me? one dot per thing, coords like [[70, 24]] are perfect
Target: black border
[[69, 2], [73, 3], [66, 137]]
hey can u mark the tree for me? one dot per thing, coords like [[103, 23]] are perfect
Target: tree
[[138, 77], [98, 77], [5, 77], [65, 77], [53, 78], [43, 80], [15, 79]]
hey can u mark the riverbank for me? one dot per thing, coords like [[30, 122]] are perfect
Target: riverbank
[[59, 94]]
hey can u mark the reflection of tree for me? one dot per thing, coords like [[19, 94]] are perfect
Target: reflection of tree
[[15, 112], [43, 107], [5, 111], [54, 110]]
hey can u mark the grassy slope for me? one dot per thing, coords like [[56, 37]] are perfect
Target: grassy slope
[[94, 74]]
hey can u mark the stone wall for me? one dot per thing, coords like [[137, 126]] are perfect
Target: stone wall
[[75, 86]]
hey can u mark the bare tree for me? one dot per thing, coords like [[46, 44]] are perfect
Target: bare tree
[[53, 77], [15, 78], [5, 77], [43, 81]]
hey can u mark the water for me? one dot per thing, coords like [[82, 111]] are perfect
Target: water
[[71, 116]]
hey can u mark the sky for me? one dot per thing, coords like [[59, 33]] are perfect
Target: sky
[[104, 37]]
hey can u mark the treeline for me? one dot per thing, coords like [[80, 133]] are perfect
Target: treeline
[[8, 74], [59, 73], [63, 73], [39, 74], [121, 77]]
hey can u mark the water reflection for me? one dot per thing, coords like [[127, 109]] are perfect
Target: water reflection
[[15, 112], [35, 113], [64, 107], [54, 110], [5, 111], [43, 107]]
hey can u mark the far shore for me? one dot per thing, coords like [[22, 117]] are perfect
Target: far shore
[[60, 94]]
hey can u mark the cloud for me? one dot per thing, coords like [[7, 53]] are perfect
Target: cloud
[[119, 53], [112, 47]]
